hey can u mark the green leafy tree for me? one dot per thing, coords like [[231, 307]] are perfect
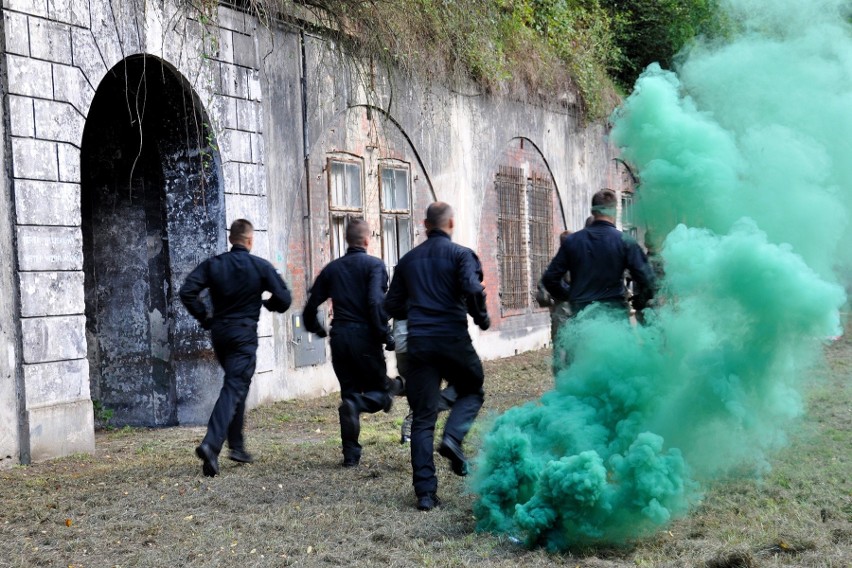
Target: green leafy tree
[[648, 31]]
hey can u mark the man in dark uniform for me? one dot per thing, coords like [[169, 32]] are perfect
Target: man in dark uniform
[[596, 258], [236, 281], [435, 286], [356, 284]]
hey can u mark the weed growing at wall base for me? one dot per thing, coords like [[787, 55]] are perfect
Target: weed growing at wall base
[[102, 415]]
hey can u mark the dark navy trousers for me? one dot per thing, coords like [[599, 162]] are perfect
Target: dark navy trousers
[[430, 359], [235, 345], [358, 360]]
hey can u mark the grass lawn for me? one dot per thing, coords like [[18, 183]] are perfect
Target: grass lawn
[[141, 499]]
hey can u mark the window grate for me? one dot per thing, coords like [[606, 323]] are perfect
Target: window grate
[[514, 291], [540, 217]]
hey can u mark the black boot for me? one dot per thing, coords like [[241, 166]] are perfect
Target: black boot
[[350, 430]]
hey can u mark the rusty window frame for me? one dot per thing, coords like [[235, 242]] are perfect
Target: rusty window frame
[[397, 224], [338, 220], [396, 245], [540, 222], [347, 165], [400, 171], [512, 259], [341, 214]]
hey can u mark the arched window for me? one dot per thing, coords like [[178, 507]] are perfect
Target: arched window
[[524, 233]]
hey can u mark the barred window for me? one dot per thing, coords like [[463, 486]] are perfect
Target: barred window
[[540, 218], [345, 201], [514, 289], [396, 214], [524, 233]]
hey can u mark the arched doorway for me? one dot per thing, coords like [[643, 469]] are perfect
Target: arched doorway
[[152, 208]]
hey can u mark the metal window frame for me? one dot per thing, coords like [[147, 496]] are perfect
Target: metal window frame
[[397, 166], [352, 161], [510, 186], [395, 214], [339, 250], [399, 254], [540, 223], [628, 219], [342, 211]]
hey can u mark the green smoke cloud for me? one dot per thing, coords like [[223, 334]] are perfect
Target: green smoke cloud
[[744, 164]]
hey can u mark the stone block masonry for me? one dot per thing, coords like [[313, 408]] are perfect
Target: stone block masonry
[[57, 54]]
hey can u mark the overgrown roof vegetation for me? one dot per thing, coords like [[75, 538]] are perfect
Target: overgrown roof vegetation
[[549, 50]]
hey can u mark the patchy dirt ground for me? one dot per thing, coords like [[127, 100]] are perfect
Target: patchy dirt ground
[[141, 499]]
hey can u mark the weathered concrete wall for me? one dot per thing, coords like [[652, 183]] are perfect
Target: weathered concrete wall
[[274, 134], [453, 143]]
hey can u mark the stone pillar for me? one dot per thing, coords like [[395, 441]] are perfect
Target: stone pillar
[[11, 426], [242, 145], [47, 104]]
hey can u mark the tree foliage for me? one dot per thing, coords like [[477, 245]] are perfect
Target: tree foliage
[[648, 31], [556, 50]]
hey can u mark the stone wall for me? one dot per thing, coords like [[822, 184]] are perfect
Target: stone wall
[[57, 54], [10, 376], [281, 105], [453, 142]]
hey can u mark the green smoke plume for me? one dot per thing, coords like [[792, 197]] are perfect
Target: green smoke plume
[[743, 157]]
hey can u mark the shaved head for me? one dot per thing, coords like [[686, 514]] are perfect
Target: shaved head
[[242, 233], [357, 232], [439, 215], [604, 204]]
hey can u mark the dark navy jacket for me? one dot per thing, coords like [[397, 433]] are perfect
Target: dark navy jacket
[[596, 258], [356, 284], [435, 286], [236, 280]]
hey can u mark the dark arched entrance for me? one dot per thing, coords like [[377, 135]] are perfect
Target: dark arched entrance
[[152, 208]]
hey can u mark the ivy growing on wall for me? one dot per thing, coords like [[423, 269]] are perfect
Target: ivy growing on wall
[[570, 51]]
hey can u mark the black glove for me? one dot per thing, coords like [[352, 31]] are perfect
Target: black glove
[[207, 323], [321, 332], [485, 324], [638, 302], [390, 345], [275, 304]]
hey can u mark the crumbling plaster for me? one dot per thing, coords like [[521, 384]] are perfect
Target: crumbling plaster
[[273, 132]]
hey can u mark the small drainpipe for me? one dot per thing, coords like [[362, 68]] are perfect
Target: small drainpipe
[[308, 218]]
